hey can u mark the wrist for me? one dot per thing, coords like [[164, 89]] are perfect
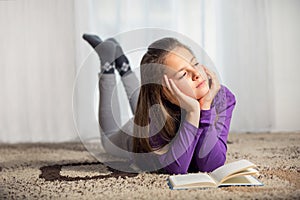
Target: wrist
[[194, 112], [205, 106], [194, 109], [193, 117]]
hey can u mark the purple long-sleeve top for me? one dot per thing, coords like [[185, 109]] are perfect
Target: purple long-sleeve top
[[201, 148]]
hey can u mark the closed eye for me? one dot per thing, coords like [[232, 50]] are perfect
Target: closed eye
[[183, 75]]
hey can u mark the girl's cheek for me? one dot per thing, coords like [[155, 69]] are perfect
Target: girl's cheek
[[202, 73], [185, 88]]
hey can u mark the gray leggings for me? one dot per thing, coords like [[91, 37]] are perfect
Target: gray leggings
[[116, 138]]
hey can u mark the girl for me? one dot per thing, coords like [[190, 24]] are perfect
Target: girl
[[182, 116]]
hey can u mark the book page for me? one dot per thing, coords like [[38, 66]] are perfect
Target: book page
[[190, 179], [249, 171], [241, 180], [231, 168]]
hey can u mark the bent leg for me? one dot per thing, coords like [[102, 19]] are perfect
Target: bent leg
[[132, 88], [116, 140], [109, 108], [128, 77]]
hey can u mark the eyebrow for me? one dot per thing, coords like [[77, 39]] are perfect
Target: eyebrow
[[183, 67]]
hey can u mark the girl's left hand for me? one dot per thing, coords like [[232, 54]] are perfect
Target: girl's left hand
[[206, 100]]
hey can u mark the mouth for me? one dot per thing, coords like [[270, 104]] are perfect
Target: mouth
[[200, 84]]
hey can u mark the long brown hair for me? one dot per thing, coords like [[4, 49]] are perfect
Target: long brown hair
[[153, 102]]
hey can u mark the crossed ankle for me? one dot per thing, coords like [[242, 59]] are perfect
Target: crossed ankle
[[107, 68]]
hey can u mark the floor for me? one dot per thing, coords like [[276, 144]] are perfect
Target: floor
[[69, 171]]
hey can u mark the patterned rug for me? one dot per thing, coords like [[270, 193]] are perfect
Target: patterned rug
[[69, 171]]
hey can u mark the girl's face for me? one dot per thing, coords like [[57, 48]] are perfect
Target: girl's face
[[188, 75]]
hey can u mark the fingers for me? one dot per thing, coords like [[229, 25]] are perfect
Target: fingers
[[175, 88], [214, 79], [172, 86], [186, 102], [168, 84]]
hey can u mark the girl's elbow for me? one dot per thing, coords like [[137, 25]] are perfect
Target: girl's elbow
[[220, 161], [213, 163]]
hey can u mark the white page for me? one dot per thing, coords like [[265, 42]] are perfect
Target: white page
[[191, 178], [242, 180], [230, 168], [249, 171]]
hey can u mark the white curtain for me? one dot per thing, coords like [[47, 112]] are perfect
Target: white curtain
[[253, 43], [242, 54], [36, 70], [257, 47], [250, 42]]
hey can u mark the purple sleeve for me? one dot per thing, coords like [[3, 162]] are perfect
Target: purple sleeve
[[178, 157], [208, 142], [212, 145]]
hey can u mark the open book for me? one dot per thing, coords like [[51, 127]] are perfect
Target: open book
[[237, 173]]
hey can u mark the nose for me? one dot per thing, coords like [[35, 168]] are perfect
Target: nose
[[196, 76]]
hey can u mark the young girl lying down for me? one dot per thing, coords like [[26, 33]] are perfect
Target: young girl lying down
[[181, 112]]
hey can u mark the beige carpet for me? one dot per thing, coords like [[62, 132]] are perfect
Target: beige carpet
[[68, 171]]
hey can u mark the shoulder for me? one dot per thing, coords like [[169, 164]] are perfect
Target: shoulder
[[224, 99], [230, 97]]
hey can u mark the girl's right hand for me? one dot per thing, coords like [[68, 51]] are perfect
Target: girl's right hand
[[186, 102]]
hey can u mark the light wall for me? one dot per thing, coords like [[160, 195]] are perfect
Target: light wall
[[285, 51], [38, 57]]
